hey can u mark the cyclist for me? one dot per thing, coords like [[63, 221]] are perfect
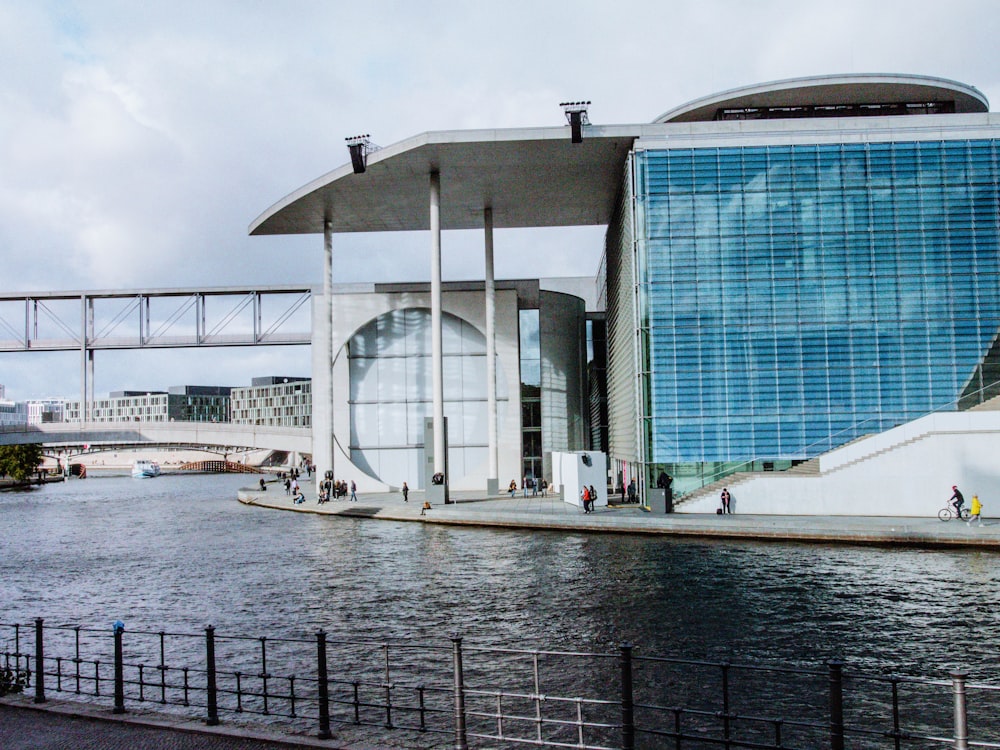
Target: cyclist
[[957, 500]]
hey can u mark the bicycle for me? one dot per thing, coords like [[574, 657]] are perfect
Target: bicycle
[[948, 512]]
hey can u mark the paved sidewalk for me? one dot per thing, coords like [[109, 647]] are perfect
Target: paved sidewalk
[[551, 513], [73, 725]]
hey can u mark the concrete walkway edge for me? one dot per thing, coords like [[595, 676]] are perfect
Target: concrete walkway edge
[[552, 514]]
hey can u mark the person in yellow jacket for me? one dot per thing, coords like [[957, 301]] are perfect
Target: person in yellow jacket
[[976, 510]]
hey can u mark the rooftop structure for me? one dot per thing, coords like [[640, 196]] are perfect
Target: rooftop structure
[[833, 96]]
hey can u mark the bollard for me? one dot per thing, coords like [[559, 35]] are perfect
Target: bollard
[[39, 662], [324, 687], [461, 740], [628, 706], [210, 690], [961, 718], [836, 705], [726, 721], [119, 628]]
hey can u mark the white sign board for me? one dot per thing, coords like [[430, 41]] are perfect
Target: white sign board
[[574, 470]]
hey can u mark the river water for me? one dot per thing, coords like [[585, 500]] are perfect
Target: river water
[[179, 552]]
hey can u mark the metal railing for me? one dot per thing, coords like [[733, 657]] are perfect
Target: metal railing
[[498, 696]]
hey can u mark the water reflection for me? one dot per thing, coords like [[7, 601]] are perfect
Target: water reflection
[[179, 553]]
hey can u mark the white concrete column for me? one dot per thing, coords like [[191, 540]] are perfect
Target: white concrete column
[[330, 459], [491, 346], [437, 349], [90, 383], [83, 359], [90, 355]]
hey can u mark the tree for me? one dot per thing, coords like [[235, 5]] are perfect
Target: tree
[[19, 461]]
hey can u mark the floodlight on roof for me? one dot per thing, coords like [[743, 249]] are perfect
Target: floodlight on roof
[[576, 116], [360, 146]]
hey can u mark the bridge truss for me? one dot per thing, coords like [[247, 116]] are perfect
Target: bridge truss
[[164, 318], [152, 319]]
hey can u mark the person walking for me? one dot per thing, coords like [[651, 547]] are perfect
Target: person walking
[[354, 492], [593, 497], [725, 497], [406, 493], [975, 511], [585, 496]]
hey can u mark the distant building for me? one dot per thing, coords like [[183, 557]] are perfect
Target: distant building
[[46, 410], [275, 401], [182, 403], [198, 403], [12, 412]]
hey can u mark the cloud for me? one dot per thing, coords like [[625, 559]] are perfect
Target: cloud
[[138, 141]]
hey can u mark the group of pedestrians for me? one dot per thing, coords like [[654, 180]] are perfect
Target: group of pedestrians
[[588, 495], [292, 488], [529, 484], [957, 500], [331, 489], [725, 502]]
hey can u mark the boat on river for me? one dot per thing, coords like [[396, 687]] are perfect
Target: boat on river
[[143, 469]]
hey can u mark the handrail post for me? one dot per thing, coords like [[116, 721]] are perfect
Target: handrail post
[[461, 739], [324, 687], [210, 689], [726, 723], [119, 628], [836, 705], [39, 661], [628, 705], [961, 717]]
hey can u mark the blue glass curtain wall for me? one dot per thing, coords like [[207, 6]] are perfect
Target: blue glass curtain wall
[[796, 297]]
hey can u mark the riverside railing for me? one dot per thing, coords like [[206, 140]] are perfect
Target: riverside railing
[[499, 697]]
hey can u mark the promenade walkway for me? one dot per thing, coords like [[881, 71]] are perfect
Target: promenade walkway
[[551, 513], [73, 725]]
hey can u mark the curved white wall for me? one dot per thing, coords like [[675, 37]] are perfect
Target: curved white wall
[[906, 471], [352, 311]]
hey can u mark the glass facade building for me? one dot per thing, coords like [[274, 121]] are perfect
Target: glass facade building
[[789, 266], [791, 298], [531, 394]]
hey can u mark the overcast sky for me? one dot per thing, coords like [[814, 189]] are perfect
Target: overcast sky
[[139, 140]]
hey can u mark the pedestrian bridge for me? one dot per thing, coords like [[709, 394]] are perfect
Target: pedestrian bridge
[[214, 436]]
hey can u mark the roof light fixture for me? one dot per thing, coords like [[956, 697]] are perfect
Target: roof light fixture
[[360, 146], [576, 116]]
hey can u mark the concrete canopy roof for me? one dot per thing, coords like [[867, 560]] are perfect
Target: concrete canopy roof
[[529, 177], [875, 88]]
